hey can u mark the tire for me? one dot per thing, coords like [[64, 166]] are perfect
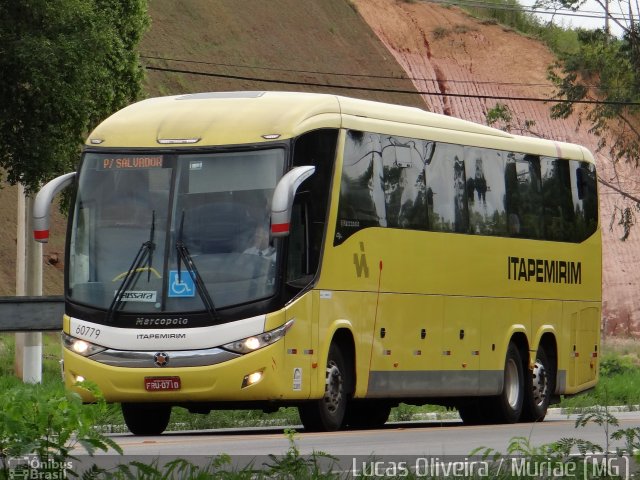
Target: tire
[[146, 418], [539, 388], [327, 414], [367, 414], [508, 405]]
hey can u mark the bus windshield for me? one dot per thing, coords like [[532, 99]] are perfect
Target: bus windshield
[[148, 227]]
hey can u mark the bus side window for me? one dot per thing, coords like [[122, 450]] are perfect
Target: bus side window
[[559, 215], [404, 185], [446, 190], [585, 199], [523, 198], [485, 191], [309, 216], [296, 253]]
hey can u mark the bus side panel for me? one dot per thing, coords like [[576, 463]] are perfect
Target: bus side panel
[[546, 317], [406, 358], [461, 333], [300, 351], [578, 359]]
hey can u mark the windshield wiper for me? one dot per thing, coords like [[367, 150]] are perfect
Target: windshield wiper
[[185, 256], [142, 260]]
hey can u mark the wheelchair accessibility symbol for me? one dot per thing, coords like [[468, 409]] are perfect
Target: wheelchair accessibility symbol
[[183, 286]]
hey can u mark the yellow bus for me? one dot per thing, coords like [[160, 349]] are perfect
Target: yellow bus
[[266, 249]]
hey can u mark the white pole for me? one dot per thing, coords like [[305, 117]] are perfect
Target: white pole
[[29, 343], [20, 268]]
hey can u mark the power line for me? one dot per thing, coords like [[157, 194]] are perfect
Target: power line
[[494, 6], [355, 75], [345, 74], [391, 90]]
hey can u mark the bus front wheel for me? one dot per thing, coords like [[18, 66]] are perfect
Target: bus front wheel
[[327, 414], [146, 418]]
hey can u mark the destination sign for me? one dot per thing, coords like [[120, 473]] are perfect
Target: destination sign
[[131, 162]]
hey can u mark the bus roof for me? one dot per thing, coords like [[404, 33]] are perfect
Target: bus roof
[[231, 118]]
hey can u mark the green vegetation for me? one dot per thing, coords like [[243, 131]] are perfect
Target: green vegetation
[[36, 420], [65, 66], [592, 65], [619, 382], [511, 14], [43, 433], [605, 68]]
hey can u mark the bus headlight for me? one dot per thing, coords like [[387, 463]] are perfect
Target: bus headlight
[[250, 344], [79, 346]]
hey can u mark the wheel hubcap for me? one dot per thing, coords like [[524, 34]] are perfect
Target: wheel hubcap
[[540, 383], [333, 388]]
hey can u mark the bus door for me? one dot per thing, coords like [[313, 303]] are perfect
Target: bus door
[[302, 338]]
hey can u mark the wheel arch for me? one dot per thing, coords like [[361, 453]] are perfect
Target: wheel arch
[[520, 340], [340, 332], [549, 344], [343, 338]]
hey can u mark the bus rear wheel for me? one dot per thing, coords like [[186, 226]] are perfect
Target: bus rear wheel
[[540, 383], [508, 405], [327, 414], [146, 418]]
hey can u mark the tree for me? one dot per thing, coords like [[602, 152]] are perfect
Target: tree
[[606, 70], [500, 116], [66, 65]]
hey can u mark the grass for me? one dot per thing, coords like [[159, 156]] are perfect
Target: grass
[[619, 382], [560, 40]]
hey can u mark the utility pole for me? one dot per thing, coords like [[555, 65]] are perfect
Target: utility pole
[[28, 357]]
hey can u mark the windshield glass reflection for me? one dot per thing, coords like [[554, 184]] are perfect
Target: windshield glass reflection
[[222, 201]]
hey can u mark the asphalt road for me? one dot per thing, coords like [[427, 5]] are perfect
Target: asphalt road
[[396, 441]]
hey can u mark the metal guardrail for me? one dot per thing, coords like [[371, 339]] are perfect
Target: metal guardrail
[[31, 314]]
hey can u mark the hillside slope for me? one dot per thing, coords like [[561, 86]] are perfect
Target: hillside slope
[[365, 47], [296, 41]]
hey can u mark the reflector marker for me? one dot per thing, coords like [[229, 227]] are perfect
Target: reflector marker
[[40, 234], [279, 227]]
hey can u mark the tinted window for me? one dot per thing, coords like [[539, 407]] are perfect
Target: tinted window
[[446, 189], [559, 216], [404, 183], [362, 202], [383, 183], [485, 190], [399, 182], [523, 196], [585, 199]]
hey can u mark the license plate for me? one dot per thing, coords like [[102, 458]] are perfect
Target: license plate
[[161, 384]]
